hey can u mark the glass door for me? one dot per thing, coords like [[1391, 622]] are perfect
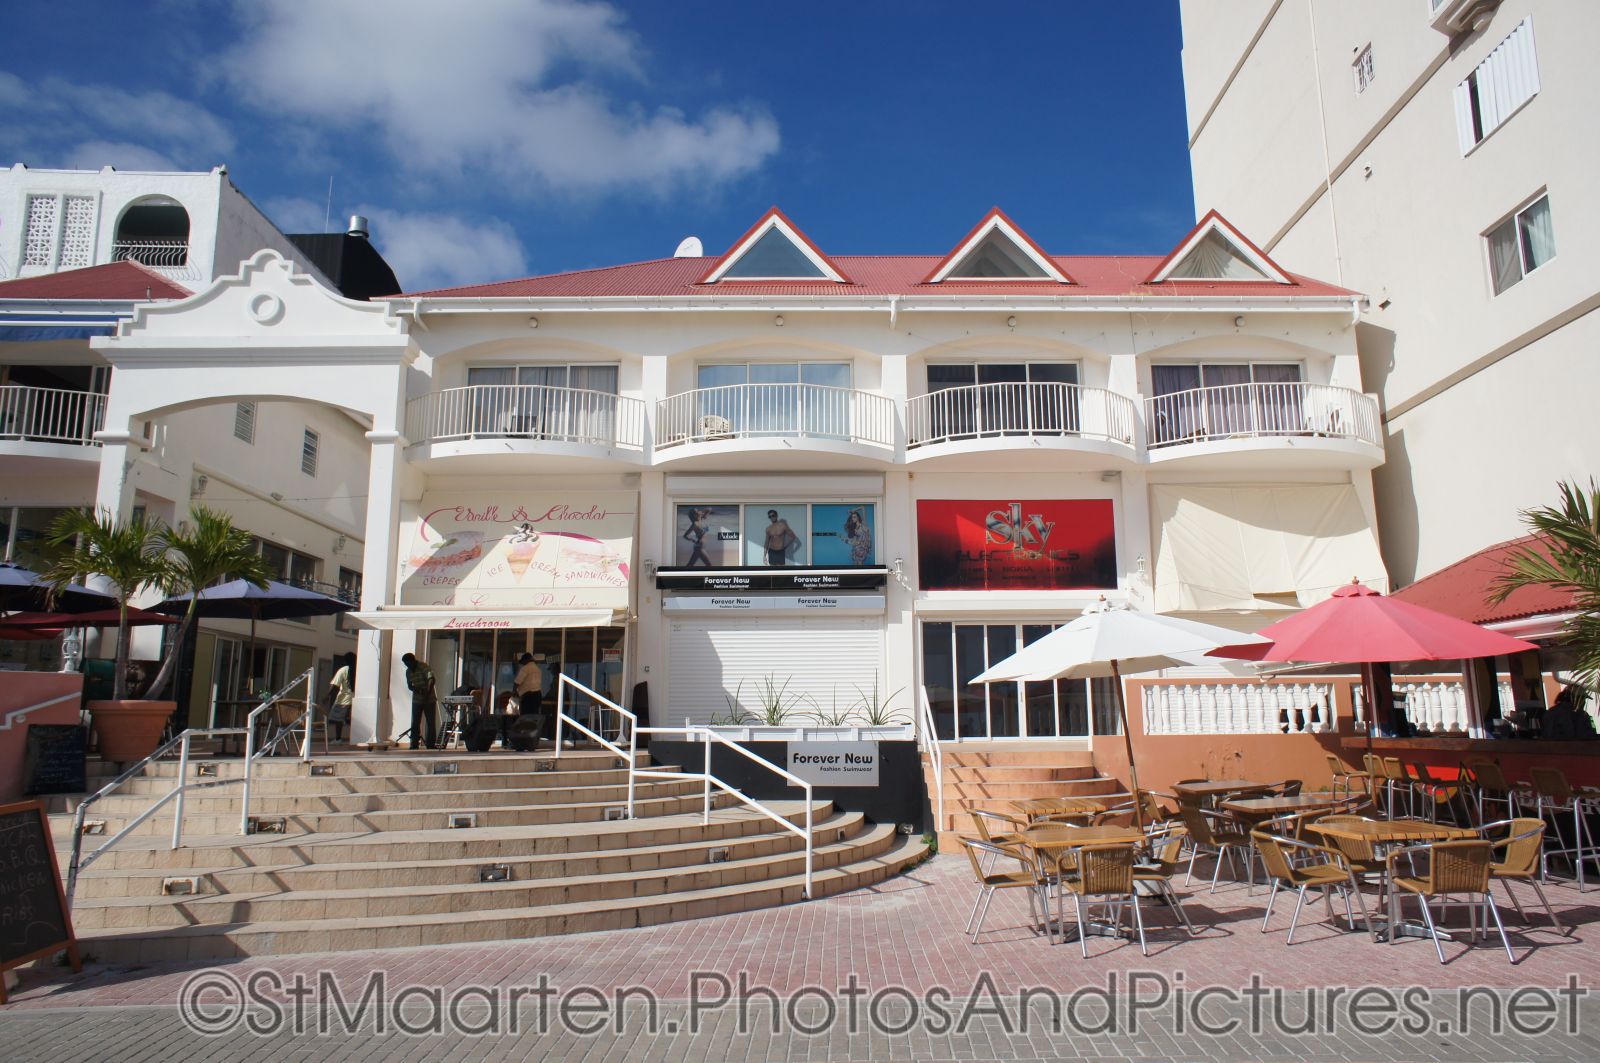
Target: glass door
[[1064, 708]]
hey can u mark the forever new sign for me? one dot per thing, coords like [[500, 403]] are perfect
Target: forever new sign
[[835, 763]]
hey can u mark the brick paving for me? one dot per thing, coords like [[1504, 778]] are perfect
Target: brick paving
[[891, 945]]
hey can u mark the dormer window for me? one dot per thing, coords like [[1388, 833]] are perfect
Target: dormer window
[[774, 250], [1215, 251], [997, 250]]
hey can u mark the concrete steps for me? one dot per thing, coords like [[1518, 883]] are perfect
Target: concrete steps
[[992, 777], [369, 859]]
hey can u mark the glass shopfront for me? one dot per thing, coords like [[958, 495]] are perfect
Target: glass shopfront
[[487, 660]]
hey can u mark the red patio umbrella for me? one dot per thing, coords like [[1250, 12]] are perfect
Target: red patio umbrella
[[1357, 625], [97, 618]]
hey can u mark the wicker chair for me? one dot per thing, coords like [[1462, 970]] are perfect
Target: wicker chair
[[1455, 869], [1361, 856], [1554, 797], [1217, 833], [991, 882], [1166, 853], [1344, 777], [1332, 874], [1520, 861], [1105, 875], [994, 829], [1490, 785]]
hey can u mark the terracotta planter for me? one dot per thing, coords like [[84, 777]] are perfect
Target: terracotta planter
[[129, 730]]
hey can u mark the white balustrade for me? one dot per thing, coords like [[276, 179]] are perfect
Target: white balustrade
[[50, 415], [797, 411], [1048, 410], [526, 411], [1237, 708], [1435, 706], [1254, 410]]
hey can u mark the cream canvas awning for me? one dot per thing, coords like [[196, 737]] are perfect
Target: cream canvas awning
[[403, 619], [1255, 547]]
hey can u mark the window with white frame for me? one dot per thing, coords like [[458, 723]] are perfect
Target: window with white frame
[[289, 566], [1004, 398], [1497, 88], [1196, 400], [777, 398], [1520, 244], [244, 421], [308, 453], [1363, 69], [549, 401]]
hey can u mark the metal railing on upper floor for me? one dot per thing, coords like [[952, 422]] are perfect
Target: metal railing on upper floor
[[795, 411], [1233, 411], [1028, 410], [526, 411], [50, 415]]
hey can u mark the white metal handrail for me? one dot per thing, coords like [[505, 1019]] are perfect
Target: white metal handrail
[[796, 411], [1256, 410], [77, 862], [167, 256], [930, 741], [51, 415], [526, 411], [708, 737], [252, 754], [1028, 410]]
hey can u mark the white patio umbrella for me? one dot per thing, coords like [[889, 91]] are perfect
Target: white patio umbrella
[[1108, 640]]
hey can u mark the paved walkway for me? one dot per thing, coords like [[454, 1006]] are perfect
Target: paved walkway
[[880, 973]]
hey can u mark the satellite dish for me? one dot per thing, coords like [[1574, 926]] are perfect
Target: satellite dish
[[689, 247]]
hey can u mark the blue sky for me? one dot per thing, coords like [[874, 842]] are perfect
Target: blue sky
[[497, 138]]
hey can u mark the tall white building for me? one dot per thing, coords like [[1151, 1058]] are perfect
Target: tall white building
[[81, 251], [1439, 156], [781, 475]]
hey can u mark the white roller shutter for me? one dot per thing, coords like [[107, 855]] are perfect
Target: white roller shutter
[[823, 660]]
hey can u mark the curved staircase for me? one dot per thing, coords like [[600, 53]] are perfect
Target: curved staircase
[[367, 857]]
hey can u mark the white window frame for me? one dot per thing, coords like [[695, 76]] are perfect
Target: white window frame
[[1363, 69], [1513, 219], [1470, 118], [848, 363], [240, 408], [516, 367], [310, 448]]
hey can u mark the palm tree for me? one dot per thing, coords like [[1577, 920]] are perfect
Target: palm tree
[[208, 551], [1567, 557], [130, 553]]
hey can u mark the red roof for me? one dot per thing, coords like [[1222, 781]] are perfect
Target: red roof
[[1464, 588], [112, 282], [876, 275]]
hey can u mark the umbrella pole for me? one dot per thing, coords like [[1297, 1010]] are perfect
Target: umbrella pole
[[1127, 742]]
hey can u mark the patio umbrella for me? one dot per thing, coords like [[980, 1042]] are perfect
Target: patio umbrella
[[1109, 640], [96, 618], [1357, 625], [22, 588], [23, 634], [242, 600]]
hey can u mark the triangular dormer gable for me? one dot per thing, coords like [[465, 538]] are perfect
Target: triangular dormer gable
[[774, 250], [997, 250], [1216, 252]]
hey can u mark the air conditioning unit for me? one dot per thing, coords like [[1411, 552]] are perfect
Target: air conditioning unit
[[1457, 16], [714, 427]]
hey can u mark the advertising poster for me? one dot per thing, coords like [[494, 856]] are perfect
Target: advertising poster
[[708, 536], [775, 535], [494, 550], [1005, 545], [843, 534]]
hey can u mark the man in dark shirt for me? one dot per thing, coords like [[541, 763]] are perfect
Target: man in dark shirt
[[424, 701]]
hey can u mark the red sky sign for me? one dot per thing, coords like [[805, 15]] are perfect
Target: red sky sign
[[1006, 544]]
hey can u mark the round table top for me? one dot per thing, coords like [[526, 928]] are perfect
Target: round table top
[[1055, 806], [1393, 830], [1060, 837], [1274, 806], [1213, 787]]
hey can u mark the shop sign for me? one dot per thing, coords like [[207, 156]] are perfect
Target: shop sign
[[740, 581], [515, 550], [1009, 544], [736, 603], [835, 763]]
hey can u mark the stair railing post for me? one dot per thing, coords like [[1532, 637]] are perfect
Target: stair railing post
[[183, 789], [633, 765], [311, 719], [811, 840], [249, 763], [705, 817], [561, 691]]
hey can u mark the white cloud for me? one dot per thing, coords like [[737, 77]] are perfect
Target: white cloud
[[515, 87], [93, 154], [429, 250], [56, 122], [296, 214]]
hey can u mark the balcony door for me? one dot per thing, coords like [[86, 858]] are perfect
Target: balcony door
[[1002, 398], [564, 402], [774, 398], [1211, 401], [1064, 708]]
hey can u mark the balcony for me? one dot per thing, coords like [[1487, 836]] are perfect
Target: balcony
[[41, 428], [767, 426], [1043, 425], [1265, 426], [168, 257], [471, 428]]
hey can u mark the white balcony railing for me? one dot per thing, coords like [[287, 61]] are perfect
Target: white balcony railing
[[50, 415], [799, 411], [1256, 410], [169, 257], [1047, 410], [1238, 708], [526, 411]]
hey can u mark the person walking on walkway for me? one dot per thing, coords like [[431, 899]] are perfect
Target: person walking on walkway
[[529, 685], [424, 702], [342, 695]]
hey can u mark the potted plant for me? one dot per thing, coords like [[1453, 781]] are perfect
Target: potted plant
[[131, 556]]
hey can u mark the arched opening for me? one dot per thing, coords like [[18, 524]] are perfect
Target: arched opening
[[153, 231]]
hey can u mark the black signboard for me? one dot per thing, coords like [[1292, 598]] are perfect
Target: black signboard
[[33, 910], [54, 759], [796, 580]]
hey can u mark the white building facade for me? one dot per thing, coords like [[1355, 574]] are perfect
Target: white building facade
[[80, 251], [776, 483], [1436, 155]]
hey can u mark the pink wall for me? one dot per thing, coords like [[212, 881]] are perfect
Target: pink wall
[[18, 690]]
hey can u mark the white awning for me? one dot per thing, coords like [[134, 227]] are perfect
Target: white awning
[[1259, 547], [403, 619]]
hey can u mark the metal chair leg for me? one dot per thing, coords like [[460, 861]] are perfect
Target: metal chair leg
[[972, 916], [1494, 910], [1300, 899], [1545, 901], [1083, 938], [1138, 921], [1270, 898], [987, 897], [1177, 906], [1427, 917]]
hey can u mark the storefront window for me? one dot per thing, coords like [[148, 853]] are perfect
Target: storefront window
[[954, 653], [775, 534]]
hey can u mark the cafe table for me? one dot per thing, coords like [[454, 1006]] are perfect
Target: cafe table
[[1390, 833], [1034, 808], [1211, 789], [1257, 810], [1050, 839]]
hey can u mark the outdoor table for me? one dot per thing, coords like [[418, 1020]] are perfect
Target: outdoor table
[[1260, 809], [1032, 808], [1050, 837], [1396, 832], [1212, 789], [233, 714]]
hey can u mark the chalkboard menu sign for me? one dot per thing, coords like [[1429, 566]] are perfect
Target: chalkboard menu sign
[[33, 909], [54, 758]]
